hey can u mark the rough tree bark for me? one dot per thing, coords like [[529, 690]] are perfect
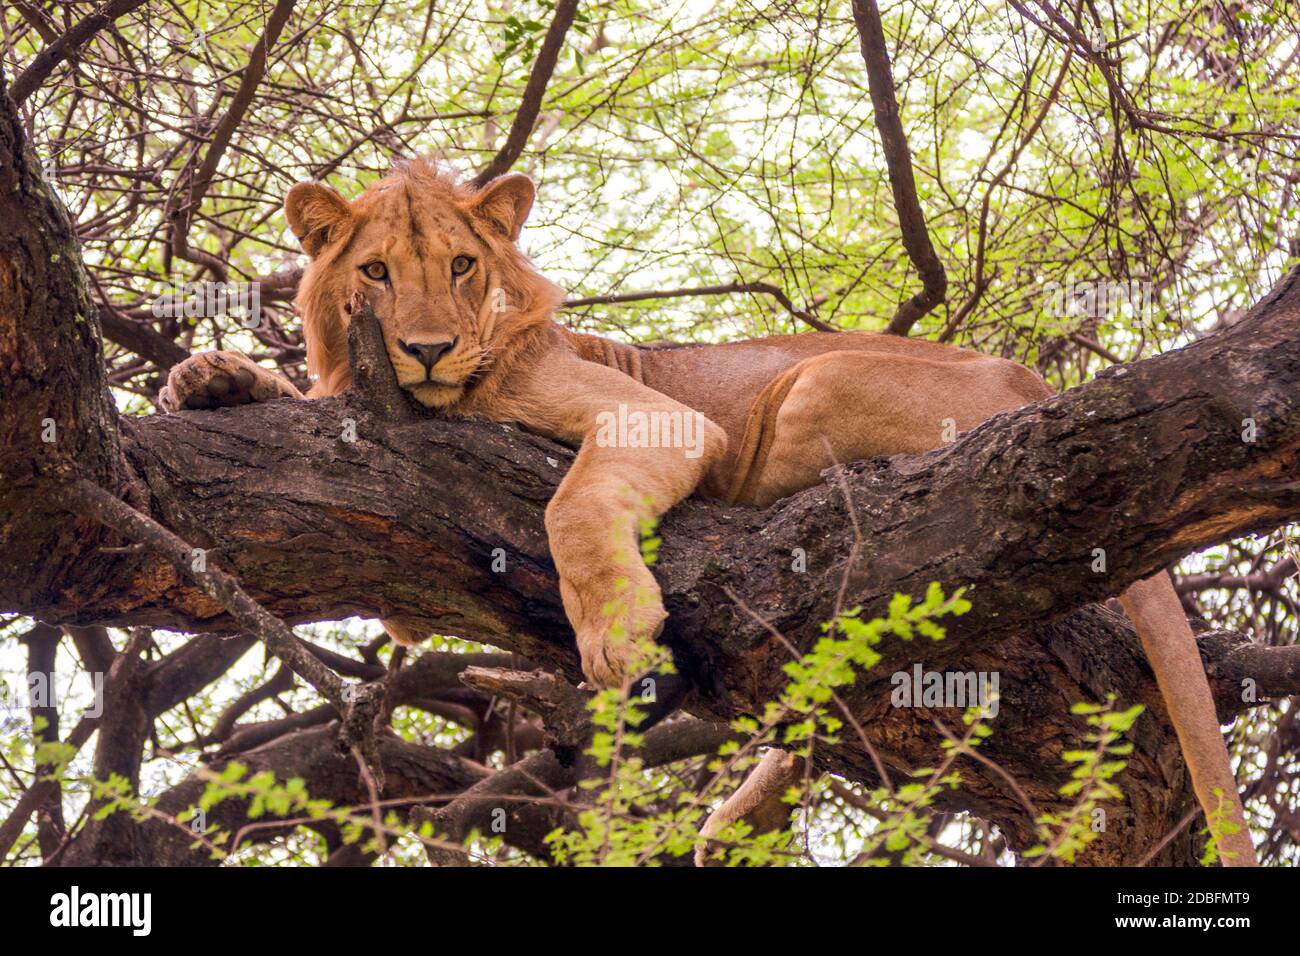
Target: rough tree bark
[[1147, 462]]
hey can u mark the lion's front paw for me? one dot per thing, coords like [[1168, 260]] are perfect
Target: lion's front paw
[[609, 650], [605, 661], [216, 379]]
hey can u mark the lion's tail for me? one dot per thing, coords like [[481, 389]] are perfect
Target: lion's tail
[[1157, 615]]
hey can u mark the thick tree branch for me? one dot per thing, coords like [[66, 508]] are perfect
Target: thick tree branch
[[414, 775], [84, 498], [142, 340], [1269, 581]]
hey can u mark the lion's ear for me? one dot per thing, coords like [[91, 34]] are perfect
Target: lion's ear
[[316, 214], [505, 203]]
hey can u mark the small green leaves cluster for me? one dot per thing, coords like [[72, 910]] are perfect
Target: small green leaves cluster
[[849, 644], [1219, 826], [1064, 835]]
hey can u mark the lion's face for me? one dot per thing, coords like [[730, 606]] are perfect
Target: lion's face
[[435, 260]]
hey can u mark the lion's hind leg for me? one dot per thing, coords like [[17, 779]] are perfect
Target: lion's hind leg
[[402, 633], [849, 405], [759, 801]]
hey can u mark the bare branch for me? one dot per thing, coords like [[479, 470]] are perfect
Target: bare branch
[[66, 46], [83, 497], [534, 91], [762, 288], [893, 141], [193, 185]]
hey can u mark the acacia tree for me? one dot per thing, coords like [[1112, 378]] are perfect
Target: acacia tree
[[814, 165]]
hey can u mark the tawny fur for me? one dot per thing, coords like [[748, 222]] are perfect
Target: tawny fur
[[777, 412]]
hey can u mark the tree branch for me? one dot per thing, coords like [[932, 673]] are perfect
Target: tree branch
[[898, 160], [84, 498], [66, 46], [142, 340], [531, 103], [762, 288], [193, 184]]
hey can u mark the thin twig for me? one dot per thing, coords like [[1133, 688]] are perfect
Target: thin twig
[[86, 498], [66, 46], [730, 288]]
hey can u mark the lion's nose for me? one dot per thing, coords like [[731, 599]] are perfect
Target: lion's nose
[[428, 352]]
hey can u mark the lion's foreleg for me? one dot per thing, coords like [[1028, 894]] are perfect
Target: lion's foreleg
[[641, 453], [217, 379], [594, 525]]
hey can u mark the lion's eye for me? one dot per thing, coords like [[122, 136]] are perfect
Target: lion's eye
[[375, 270], [460, 265]]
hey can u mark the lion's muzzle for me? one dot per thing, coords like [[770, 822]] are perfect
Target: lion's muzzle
[[428, 354]]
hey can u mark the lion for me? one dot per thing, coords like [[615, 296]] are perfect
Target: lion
[[469, 327]]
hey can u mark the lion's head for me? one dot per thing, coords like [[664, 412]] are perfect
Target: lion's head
[[438, 263]]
